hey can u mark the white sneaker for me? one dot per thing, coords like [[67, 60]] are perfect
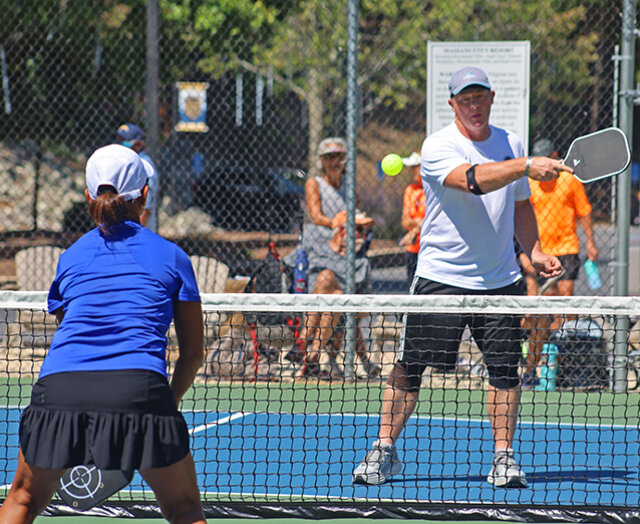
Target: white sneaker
[[505, 472], [379, 465]]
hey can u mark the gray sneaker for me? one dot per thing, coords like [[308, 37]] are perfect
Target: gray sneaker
[[380, 464], [505, 472]]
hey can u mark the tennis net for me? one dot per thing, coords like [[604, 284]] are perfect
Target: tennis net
[[275, 436]]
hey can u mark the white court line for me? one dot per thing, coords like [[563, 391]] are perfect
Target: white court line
[[480, 420], [377, 415], [218, 422]]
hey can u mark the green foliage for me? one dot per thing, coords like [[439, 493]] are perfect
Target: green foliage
[[218, 33], [392, 45], [63, 57], [74, 53]]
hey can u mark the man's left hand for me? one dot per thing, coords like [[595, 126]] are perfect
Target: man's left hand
[[546, 265]]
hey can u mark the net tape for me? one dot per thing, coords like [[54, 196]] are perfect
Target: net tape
[[396, 304]]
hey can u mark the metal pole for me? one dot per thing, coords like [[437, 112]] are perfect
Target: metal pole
[[352, 87], [614, 187], [627, 49], [152, 82]]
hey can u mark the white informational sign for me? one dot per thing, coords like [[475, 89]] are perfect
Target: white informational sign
[[507, 65]]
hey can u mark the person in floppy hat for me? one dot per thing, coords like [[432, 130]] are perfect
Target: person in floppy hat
[[327, 270], [133, 137], [412, 214], [325, 198], [103, 396]]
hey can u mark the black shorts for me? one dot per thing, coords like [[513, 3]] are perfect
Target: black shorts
[[123, 420], [433, 339]]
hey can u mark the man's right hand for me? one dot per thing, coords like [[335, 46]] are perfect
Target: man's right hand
[[543, 168]]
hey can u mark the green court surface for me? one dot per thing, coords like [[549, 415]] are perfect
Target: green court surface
[[601, 407]]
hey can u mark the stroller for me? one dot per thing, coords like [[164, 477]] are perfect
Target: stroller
[[250, 346], [272, 276]]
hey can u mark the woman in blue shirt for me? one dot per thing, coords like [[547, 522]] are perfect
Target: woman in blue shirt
[[103, 395]]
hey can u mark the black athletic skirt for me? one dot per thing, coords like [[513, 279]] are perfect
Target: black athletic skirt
[[124, 420]]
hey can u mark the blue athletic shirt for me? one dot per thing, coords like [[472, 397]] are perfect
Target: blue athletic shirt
[[117, 293]]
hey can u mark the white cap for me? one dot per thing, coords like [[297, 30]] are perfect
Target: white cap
[[118, 166], [412, 160]]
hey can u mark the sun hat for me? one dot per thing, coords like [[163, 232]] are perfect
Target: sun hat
[[118, 166], [332, 145]]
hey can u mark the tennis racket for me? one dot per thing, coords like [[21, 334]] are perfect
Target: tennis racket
[[84, 487], [598, 155]]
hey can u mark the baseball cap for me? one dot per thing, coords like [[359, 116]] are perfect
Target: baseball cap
[[130, 132], [332, 145], [362, 219], [412, 160], [118, 166], [543, 147], [468, 76]]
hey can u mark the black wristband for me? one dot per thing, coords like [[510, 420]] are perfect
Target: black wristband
[[472, 185]]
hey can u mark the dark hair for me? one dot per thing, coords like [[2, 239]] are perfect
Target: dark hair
[[108, 209]]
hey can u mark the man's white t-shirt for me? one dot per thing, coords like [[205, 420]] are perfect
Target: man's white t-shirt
[[466, 239]]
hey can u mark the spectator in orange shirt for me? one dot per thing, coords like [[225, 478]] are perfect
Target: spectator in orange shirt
[[413, 209], [559, 206]]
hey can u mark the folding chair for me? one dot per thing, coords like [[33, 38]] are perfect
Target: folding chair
[[36, 267], [211, 274]]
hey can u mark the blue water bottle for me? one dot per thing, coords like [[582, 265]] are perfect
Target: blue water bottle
[[548, 370], [593, 275], [300, 272]]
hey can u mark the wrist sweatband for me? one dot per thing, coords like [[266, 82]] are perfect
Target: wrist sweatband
[[527, 166], [472, 185]]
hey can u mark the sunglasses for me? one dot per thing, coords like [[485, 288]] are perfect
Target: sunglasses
[[475, 99]]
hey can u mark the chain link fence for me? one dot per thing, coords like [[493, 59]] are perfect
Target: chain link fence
[[272, 76]]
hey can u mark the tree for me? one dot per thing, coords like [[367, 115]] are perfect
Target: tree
[[308, 51]]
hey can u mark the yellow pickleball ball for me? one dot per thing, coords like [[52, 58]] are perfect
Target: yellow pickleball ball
[[391, 164]]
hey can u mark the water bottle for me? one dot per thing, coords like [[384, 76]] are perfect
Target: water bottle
[[549, 369], [300, 272], [593, 275]]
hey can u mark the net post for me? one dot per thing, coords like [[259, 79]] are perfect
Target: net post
[[618, 362], [350, 343]]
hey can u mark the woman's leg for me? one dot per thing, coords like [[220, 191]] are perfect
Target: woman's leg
[[326, 283], [176, 489], [31, 491]]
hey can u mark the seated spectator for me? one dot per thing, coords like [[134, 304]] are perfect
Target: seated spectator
[[327, 275]]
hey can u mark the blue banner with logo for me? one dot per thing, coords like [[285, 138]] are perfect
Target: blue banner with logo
[[192, 107]]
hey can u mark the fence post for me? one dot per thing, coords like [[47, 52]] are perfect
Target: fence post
[[627, 96], [151, 81], [352, 90]]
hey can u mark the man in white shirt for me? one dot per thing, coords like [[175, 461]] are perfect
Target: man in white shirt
[[477, 198]]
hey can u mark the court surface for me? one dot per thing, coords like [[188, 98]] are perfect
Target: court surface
[[311, 457]]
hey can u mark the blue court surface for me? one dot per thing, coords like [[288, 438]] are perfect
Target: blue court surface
[[311, 457]]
